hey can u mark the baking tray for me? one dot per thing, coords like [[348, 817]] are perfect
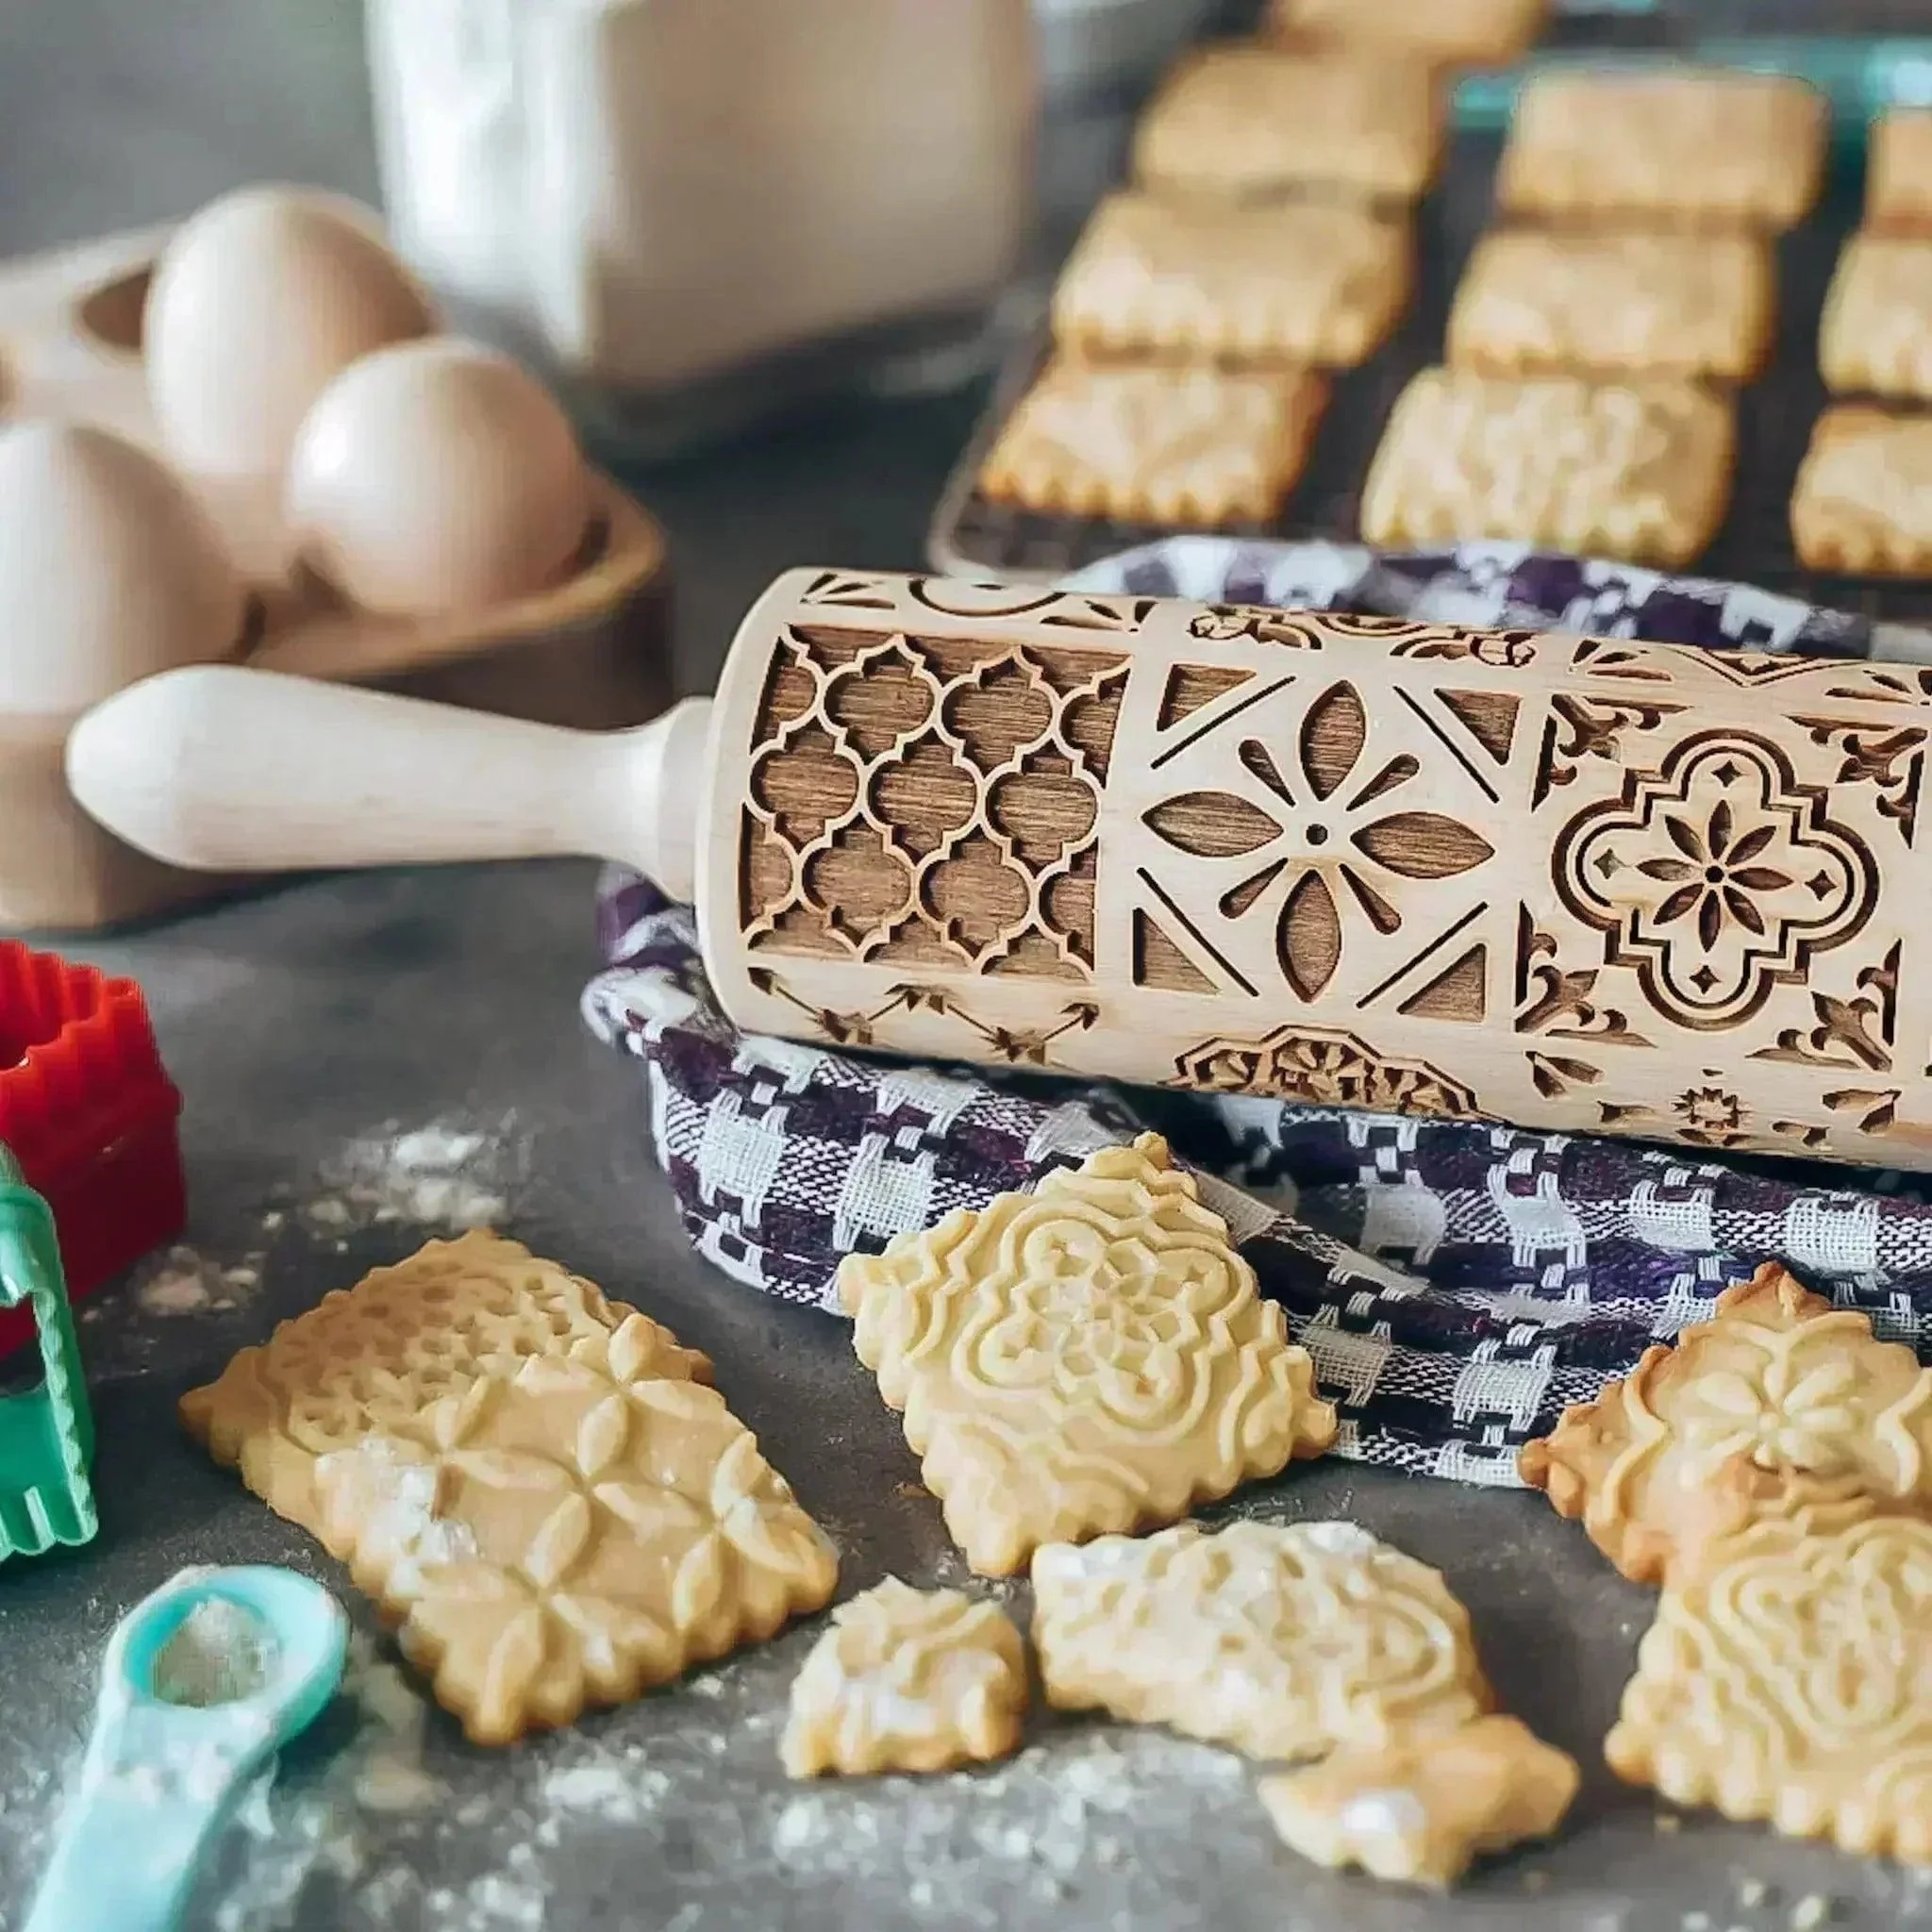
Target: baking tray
[[970, 534]]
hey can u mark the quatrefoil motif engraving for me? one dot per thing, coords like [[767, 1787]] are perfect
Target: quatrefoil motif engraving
[[1717, 878]]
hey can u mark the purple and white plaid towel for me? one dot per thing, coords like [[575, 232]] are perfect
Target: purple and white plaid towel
[[1457, 1284]]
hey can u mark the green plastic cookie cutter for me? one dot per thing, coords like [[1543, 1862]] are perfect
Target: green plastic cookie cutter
[[46, 1433]]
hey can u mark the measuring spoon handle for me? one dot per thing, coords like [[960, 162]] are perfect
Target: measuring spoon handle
[[123, 1865]]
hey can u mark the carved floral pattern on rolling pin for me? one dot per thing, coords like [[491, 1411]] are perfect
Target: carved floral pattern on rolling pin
[[1579, 883]]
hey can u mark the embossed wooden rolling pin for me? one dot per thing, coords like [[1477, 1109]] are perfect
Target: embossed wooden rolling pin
[[1566, 882]]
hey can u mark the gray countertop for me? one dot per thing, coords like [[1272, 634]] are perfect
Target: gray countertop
[[312, 1026]]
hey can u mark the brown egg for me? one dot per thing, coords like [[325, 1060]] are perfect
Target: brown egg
[[437, 476], [257, 302], [109, 570]]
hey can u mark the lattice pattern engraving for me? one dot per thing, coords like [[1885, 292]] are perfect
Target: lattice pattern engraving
[[1580, 883], [929, 801]]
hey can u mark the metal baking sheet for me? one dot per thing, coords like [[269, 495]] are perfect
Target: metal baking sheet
[[970, 533]]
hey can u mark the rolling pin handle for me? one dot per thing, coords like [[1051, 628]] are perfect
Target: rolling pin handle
[[217, 768]]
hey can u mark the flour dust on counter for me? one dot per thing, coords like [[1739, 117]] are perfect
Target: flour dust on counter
[[453, 1171]]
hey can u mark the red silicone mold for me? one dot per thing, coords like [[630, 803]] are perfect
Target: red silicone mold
[[90, 1114]]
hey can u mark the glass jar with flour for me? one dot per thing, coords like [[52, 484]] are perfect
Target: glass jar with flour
[[699, 214]]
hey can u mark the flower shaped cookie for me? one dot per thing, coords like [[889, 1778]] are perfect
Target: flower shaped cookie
[[1091, 1356], [1782, 1405], [1789, 1682]]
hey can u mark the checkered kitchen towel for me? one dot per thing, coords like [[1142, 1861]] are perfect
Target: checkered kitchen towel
[[1456, 1283]]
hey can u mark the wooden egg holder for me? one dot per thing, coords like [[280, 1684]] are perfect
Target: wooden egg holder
[[590, 652]]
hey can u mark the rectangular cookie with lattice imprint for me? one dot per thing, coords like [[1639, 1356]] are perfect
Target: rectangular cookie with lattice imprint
[[1255, 120], [1155, 442], [1876, 335], [1862, 503], [1485, 33], [1620, 301], [1898, 171], [1299, 283], [374, 1354], [1696, 147], [1637, 470], [566, 1531]]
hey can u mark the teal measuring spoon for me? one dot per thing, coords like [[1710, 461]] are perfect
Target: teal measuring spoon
[[202, 1682]]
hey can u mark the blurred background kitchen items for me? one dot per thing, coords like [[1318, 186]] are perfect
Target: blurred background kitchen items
[[697, 218]]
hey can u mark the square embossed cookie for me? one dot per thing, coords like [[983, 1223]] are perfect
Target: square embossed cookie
[[1696, 146], [1296, 283], [1639, 469], [1285, 1642], [1243, 121], [908, 1680], [1155, 442], [1781, 1402], [569, 1531], [1091, 1356], [1875, 336], [370, 1354], [1786, 1683], [1898, 171], [1535, 300], [1482, 33], [1422, 1812], [1863, 499]]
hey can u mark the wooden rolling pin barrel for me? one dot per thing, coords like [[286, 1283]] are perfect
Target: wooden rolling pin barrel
[[1568, 882]]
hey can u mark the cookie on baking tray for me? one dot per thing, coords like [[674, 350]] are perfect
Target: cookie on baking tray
[[1620, 301], [1155, 442], [1780, 1405], [1091, 1356], [1287, 283], [1875, 336], [1691, 146], [908, 1680], [1786, 1682], [1421, 1812], [1244, 121], [1898, 171], [1639, 469], [1862, 503], [1283, 1641], [1486, 33]]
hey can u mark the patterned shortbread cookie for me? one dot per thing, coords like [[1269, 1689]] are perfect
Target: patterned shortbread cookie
[[1156, 444], [1787, 1684], [1638, 470], [1300, 282], [1698, 146], [1483, 33], [908, 1680], [376, 1353], [1898, 171], [1781, 1402], [1285, 1642], [1875, 336], [1535, 299], [1247, 119], [568, 1532], [1093, 1356], [1863, 499], [1421, 1813]]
